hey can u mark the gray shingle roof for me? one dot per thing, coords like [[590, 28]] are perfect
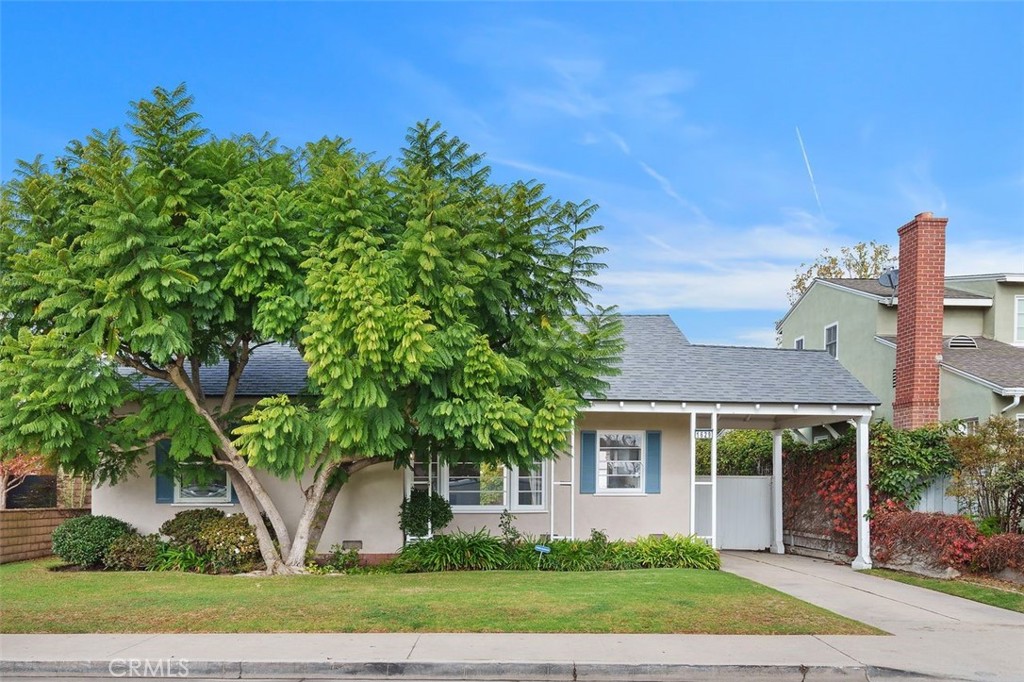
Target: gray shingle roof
[[871, 286], [993, 361], [660, 364]]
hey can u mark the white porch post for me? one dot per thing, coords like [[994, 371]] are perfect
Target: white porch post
[[693, 473], [863, 560], [714, 479], [777, 547]]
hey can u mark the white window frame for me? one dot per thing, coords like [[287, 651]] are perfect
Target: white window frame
[[968, 425], [622, 492], [1018, 320], [510, 490], [799, 342], [1020, 422], [824, 338], [223, 501]]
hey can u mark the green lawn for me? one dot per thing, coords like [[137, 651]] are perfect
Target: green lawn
[[34, 599], [993, 596]]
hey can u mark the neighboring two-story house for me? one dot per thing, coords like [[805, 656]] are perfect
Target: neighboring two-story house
[[934, 348]]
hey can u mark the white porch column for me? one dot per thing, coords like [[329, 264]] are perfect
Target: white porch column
[[714, 480], [777, 547], [693, 473], [863, 560]]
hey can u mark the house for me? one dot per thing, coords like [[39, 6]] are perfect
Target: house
[[934, 348], [628, 469]]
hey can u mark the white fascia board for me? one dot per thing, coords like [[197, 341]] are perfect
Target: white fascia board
[[1001, 390], [838, 410], [851, 290], [989, 277], [885, 342], [947, 302]]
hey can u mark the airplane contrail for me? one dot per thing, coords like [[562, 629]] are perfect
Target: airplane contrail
[[810, 174]]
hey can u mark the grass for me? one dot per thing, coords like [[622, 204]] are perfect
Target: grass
[[965, 587], [34, 599]]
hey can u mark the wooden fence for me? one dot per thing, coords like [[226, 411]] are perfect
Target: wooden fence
[[25, 533]]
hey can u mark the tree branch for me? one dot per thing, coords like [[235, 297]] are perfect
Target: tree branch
[[235, 368]]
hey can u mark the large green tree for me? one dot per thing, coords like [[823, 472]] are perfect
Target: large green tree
[[439, 312]]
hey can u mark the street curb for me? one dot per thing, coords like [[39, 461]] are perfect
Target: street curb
[[489, 671]]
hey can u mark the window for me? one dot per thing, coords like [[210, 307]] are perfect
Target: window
[[472, 484], [799, 343], [1018, 320], [481, 487], [620, 462], [202, 484], [968, 426], [832, 339], [1020, 422]]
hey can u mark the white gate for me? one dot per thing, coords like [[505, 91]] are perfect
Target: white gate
[[744, 511]]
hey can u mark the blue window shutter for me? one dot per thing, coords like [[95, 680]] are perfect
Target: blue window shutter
[[234, 495], [588, 462], [653, 475], [164, 483]]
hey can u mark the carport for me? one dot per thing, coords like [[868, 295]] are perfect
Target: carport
[[713, 388]]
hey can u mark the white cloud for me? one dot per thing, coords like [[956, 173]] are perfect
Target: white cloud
[[754, 286], [978, 257]]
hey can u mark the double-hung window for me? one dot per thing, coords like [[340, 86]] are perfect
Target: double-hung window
[[832, 339], [483, 487], [620, 462]]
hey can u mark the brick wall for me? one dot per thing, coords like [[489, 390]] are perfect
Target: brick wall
[[25, 533], [920, 292]]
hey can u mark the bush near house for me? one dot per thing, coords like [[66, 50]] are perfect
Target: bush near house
[[184, 528], [916, 539], [478, 550], [133, 552], [1000, 552], [84, 540]]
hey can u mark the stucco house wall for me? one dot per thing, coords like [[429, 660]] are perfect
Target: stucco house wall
[[367, 507]]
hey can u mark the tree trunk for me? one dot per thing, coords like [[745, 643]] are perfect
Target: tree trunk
[[320, 500], [3, 492]]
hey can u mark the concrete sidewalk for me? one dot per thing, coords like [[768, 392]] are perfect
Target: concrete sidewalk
[[933, 635]]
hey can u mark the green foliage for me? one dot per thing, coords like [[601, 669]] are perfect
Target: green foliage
[[989, 526], [133, 552], [185, 526], [740, 453], [459, 551], [182, 558], [340, 560], [438, 311], [903, 463], [990, 476], [423, 513], [84, 540], [230, 543]]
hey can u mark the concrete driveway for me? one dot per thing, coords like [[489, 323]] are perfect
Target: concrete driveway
[[933, 633]]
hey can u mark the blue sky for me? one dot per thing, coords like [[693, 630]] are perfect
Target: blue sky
[[679, 119]]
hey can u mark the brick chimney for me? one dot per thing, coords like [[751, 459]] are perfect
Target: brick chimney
[[920, 293]]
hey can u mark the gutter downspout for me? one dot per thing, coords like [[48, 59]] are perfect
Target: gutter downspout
[[1015, 403]]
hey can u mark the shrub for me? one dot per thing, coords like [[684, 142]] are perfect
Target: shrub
[[423, 513], [935, 540], [676, 551], [1000, 552], [182, 558], [133, 552], [459, 551], [571, 555], [186, 525], [230, 543], [84, 540]]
